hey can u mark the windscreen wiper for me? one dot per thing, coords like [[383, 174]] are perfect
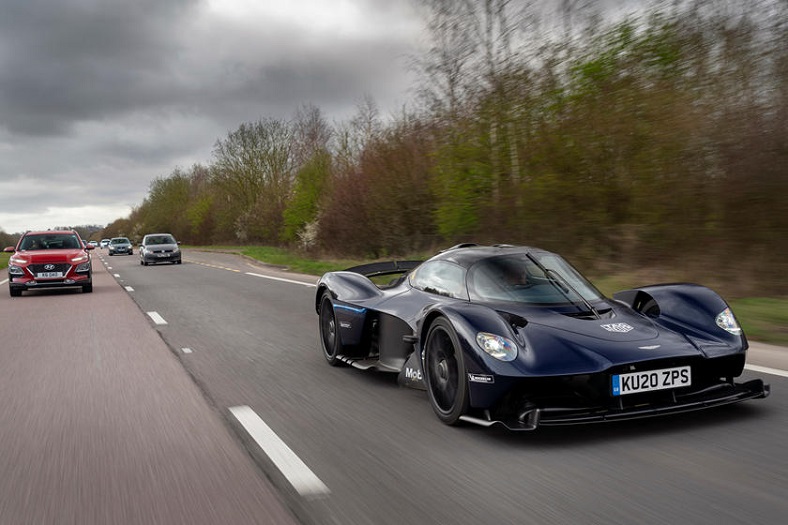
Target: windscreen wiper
[[563, 286]]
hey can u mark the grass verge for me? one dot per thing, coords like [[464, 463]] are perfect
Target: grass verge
[[4, 259]]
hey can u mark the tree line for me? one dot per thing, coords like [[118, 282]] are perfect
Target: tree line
[[655, 139]]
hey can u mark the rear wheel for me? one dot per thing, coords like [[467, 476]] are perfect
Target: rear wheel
[[444, 368], [329, 331]]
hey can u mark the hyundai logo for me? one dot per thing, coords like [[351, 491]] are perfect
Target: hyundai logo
[[49, 267]]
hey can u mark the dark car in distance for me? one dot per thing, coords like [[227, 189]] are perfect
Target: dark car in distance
[[159, 248], [49, 259], [514, 335]]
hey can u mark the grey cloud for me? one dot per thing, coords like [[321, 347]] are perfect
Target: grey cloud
[[99, 97]]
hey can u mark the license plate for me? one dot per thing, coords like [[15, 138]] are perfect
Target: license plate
[[49, 275], [161, 255], [648, 380]]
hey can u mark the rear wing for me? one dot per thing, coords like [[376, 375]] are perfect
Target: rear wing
[[384, 268]]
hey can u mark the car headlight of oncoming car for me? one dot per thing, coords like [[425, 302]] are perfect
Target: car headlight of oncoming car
[[83, 263], [727, 322], [497, 346], [15, 264]]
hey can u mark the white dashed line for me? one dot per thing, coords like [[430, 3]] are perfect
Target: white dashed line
[[129, 288], [116, 274], [767, 370], [186, 350], [156, 318], [289, 464], [280, 279], [3, 281]]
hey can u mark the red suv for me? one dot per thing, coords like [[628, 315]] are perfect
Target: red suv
[[49, 259]]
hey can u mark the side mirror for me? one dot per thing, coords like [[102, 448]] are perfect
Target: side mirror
[[90, 247], [9, 249]]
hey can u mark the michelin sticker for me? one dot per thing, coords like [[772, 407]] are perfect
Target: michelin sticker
[[480, 378]]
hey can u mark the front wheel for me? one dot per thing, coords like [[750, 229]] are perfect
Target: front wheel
[[444, 372], [15, 292], [87, 288], [329, 331]]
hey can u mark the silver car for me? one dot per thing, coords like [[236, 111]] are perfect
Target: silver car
[[120, 246], [159, 247]]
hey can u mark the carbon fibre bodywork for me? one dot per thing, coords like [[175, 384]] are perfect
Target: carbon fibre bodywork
[[571, 355]]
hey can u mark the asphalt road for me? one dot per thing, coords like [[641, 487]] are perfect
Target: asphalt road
[[364, 451], [100, 424]]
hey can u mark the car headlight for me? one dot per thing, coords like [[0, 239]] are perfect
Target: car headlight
[[15, 270], [84, 267], [727, 322], [497, 346]]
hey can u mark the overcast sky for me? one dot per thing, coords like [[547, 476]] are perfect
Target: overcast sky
[[99, 97]]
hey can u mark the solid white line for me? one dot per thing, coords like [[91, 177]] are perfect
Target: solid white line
[[767, 370], [288, 463], [129, 288], [280, 279], [156, 318], [3, 282]]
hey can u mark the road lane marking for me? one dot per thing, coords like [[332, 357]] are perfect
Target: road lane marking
[[215, 266], [129, 288], [289, 464], [767, 370], [186, 350], [156, 318], [116, 274], [280, 279], [3, 282]]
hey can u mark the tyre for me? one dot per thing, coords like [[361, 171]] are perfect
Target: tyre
[[444, 372], [87, 288], [329, 331], [142, 263], [15, 292]]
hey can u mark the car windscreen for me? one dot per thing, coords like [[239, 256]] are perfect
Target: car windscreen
[[120, 240], [159, 239], [546, 279], [50, 242]]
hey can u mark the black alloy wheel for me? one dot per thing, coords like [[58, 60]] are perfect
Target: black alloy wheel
[[329, 331], [444, 368]]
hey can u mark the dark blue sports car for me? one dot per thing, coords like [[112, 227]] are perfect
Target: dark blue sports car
[[516, 336]]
